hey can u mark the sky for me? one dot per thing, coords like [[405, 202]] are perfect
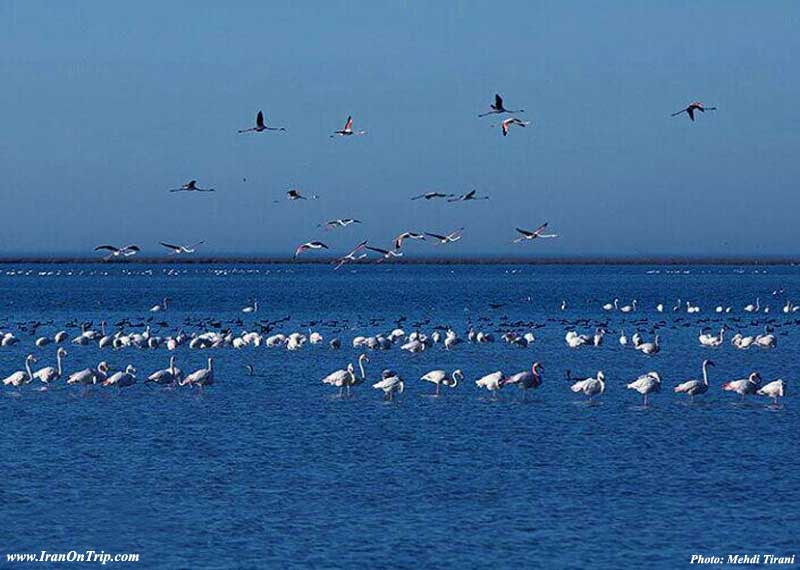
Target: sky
[[104, 106]]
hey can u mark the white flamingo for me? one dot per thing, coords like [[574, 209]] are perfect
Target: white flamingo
[[160, 308], [169, 375], [49, 374], [390, 383], [775, 389], [123, 379], [441, 378], [492, 382], [348, 129], [21, 377], [90, 375], [646, 384], [201, 377], [590, 387]]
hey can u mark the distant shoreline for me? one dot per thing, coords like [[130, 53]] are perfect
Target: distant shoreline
[[175, 260]]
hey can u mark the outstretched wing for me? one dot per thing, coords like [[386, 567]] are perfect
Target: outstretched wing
[[524, 232], [106, 247], [377, 249], [348, 126], [498, 101], [260, 119], [437, 236], [169, 245], [541, 228]]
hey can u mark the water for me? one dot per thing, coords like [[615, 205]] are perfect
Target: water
[[276, 472]]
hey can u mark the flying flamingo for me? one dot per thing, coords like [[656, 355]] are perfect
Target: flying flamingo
[[340, 223], [498, 108], [695, 387], [441, 378], [398, 241], [191, 186], [535, 234], [506, 125], [431, 196], [386, 253], [125, 251], [354, 255], [449, 238], [260, 126], [348, 129], [696, 106], [176, 249], [471, 195], [308, 246]]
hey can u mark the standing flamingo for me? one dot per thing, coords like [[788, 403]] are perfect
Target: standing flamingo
[[527, 379], [49, 374], [441, 378], [695, 387]]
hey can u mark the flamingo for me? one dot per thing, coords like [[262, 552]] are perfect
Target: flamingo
[[176, 249], [251, 308], [49, 374], [467, 197], [535, 234], [295, 194], [309, 245], [201, 377], [753, 308], [398, 241], [90, 375], [629, 308], [527, 379], [646, 384], [696, 106], [711, 340], [441, 378], [649, 348], [348, 129], [340, 223], [449, 238], [766, 340], [160, 308], [386, 253], [260, 126], [775, 389], [354, 255], [744, 386], [191, 186], [492, 382], [390, 383], [623, 340], [611, 306], [432, 195], [125, 251], [21, 377], [122, 379], [590, 386], [742, 342], [506, 125], [498, 108], [695, 387], [169, 375]]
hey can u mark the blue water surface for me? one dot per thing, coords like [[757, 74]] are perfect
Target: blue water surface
[[276, 471]]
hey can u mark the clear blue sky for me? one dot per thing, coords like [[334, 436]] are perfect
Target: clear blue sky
[[106, 105]]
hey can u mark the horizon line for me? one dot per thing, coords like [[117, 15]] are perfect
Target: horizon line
[[474, 260]]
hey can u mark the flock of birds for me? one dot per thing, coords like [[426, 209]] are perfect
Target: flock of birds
[[360, 251], [390, 381]]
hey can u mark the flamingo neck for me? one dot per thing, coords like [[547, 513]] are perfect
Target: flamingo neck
[[58, 360], [28, 367], [361, 368], [705, 373]]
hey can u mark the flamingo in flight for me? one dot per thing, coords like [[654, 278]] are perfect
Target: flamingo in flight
[[260, 126], [348, 129], [449, 238], [471, 195], [696, 106], [498, 108], [340, 223], [176, 249], [191, 186], [386, 253], [506, 125], [308, 246], [431, 196], [398, 241], [352, 256], [294, 194], [537, 233], [125, 251]]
